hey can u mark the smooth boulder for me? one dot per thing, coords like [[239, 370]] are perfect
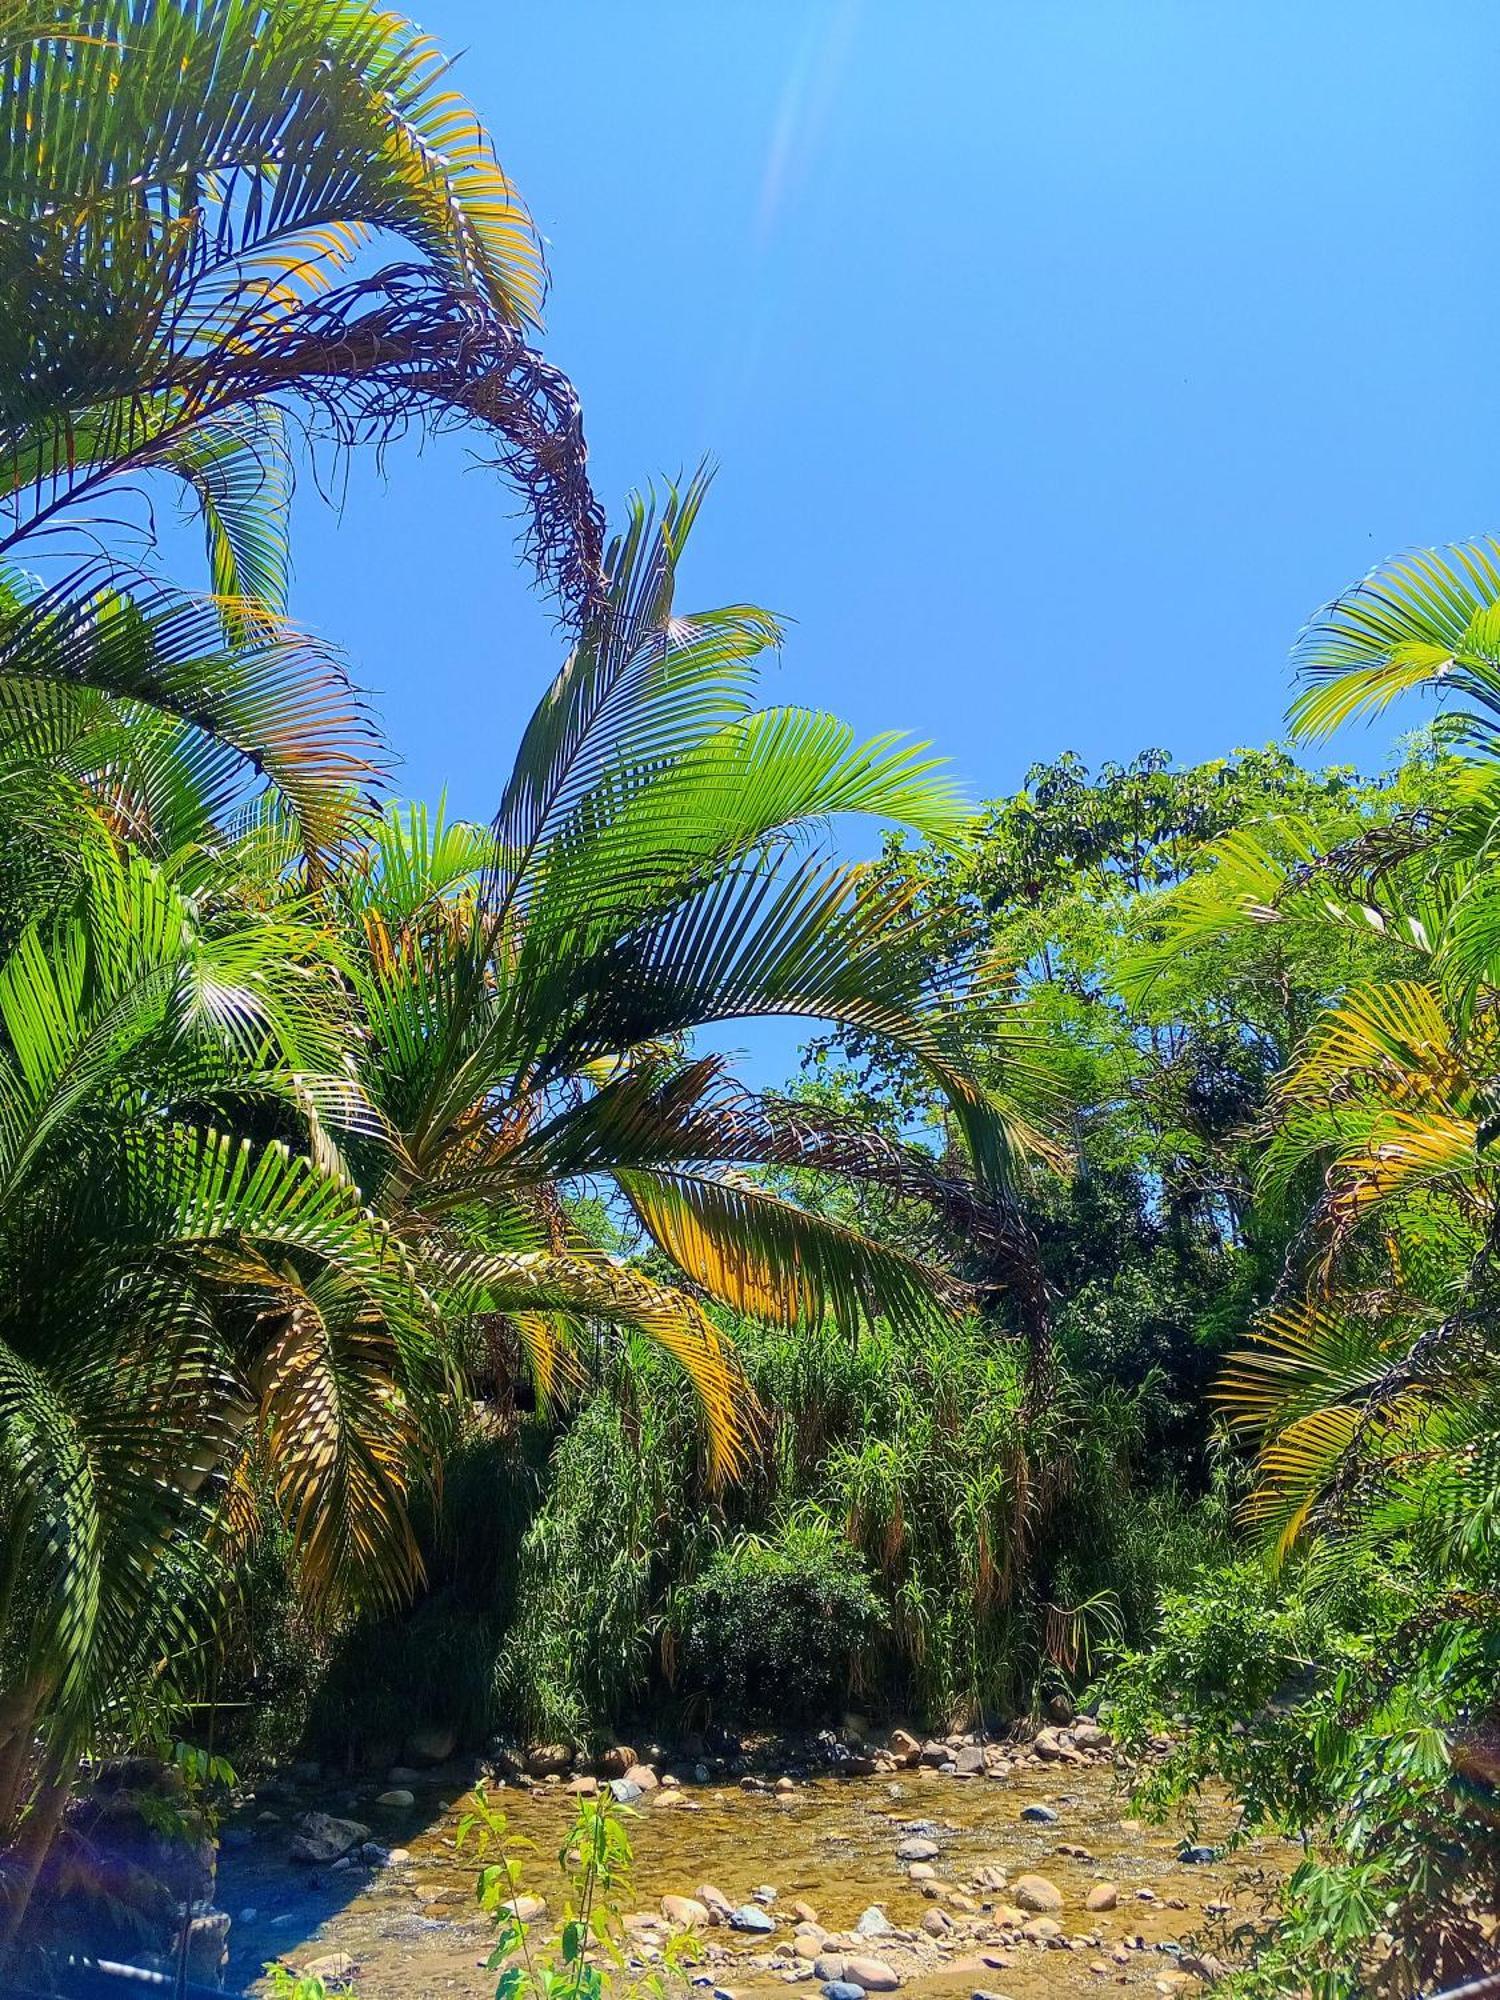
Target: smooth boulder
[[1035, 1892]]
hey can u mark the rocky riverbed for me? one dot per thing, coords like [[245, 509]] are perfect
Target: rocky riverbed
[[991, 1869]]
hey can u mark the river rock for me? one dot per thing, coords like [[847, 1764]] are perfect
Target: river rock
[[1039, 1815], [321, 1838], [937, 1923], [397, 1798], [1050, 1747], [1089, 1736], [842, 1989], [808, 1945], [332, 1965], [585, 1786], [1103, 1896], [922, 1871], [1197, 1857], [873, 1922], [751, 1917], [968, 1761], [917, 1848], [719, 1907], [872, 1974], [805, 1914], [1061, 1710], [525, 1909], [644, 1776], [403, 1774], [686, 1912], [829, 1965], [991, 1878], [1042, 1930], [1035, 1892], [903, 1746], [433, 1745], [625, 1791], [616, 1761], [935, 1754], [548, 1760]]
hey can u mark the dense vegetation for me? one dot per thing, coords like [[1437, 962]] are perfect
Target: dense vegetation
[[1106, 1304]]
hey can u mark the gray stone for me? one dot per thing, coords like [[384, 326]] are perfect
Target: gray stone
[[829, 1965], [1197, 1857], [321, 1838], [751, 1917], [398, 1799], [1039, 1815], [842, 1989], [969, 1762], [916, 1848], [625, 1791], [873, 1922]]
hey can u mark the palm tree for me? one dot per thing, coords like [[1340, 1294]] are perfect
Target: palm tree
[[1388, 1110], [195, 198], [529, 991], [286, 1150]]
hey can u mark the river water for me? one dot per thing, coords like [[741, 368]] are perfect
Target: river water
[[413, 1929]]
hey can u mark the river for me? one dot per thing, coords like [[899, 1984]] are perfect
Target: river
[[413, 1929]]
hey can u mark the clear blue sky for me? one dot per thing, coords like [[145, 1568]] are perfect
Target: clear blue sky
[[1059, 358]]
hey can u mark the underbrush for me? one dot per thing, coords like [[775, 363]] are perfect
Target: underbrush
[[1351, 1704], [915, 1533]]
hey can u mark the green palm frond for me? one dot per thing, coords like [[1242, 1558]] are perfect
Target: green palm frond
[[1428, 620], [771, 1260]]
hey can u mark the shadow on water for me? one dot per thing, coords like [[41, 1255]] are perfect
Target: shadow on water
[[280, 1908]]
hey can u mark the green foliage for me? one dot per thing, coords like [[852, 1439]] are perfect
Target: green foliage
[[582, 1956], [771, 1627]]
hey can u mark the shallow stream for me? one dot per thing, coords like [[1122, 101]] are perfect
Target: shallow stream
[[413, 1929]]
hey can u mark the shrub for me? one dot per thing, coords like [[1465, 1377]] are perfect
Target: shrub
[[775, 1624]]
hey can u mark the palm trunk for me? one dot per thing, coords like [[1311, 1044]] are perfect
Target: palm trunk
[[34, 1843]]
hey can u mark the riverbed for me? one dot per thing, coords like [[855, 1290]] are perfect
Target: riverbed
[[401, 1931]]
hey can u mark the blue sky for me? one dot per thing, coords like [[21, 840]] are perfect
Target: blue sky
[[1059, 358]]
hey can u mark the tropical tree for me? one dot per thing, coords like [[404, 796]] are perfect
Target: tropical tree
[[293, 1154], [196, 197]]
